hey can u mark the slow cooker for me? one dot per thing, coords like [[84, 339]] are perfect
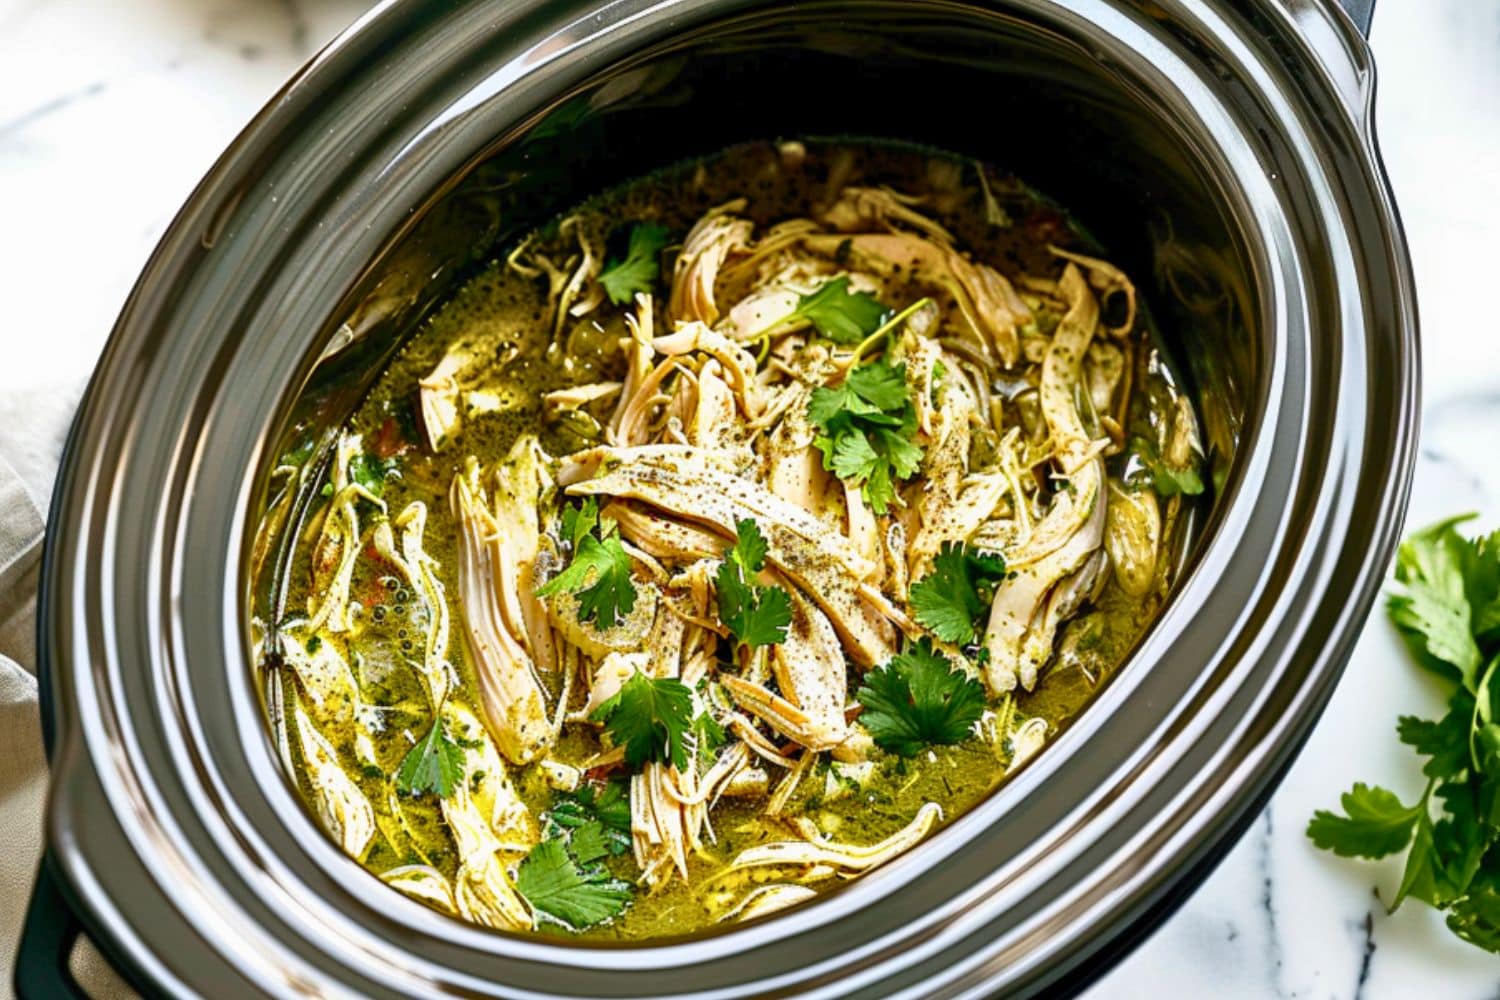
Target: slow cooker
[[1222, 149]]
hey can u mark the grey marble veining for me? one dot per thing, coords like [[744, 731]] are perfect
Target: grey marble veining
[[110, 112]]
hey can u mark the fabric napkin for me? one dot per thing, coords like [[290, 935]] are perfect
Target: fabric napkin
[[23, 764]]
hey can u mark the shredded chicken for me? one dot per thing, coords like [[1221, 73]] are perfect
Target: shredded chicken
[[509, 636], [684, 453]]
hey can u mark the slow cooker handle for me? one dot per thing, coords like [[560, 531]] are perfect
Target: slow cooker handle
[[46, 945], [1360, 12]]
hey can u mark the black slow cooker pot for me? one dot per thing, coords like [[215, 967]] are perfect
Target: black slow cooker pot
[[1222, 150]]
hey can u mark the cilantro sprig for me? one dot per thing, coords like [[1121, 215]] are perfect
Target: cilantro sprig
[[638, 271], [959, 589], [919, 698], [866, 427], [756, 615], [842, 316], [648, 716], [563, 884], [435, 763], [1446, 605], [599, 573]]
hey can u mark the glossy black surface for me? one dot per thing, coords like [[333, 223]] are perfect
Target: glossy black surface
[[1222, 152]]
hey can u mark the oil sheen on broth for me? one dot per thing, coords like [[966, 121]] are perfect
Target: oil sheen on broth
[[721, 541]]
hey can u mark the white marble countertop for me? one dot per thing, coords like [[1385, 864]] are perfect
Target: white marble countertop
[[110, 112]]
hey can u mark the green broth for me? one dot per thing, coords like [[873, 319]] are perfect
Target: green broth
[[501, 317]]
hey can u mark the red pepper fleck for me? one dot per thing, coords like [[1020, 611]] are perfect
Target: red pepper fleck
[[388, 440]]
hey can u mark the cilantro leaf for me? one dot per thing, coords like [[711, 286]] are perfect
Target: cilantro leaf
[[750, 547], [1476, 918], [756, 615], [579, 521], [612, 805], [842, 316], [827, 405], [638, 272], [1482, 583], [587, 842], [1446, 854], [1485, 749], [902, 455], [599, 573], [606, 806], [1446, 741], [709, 734], [1431, 607], [435, 763], [611, 596], [957, 591], [369, 472], [881, 385], [1170, 481], [919, 698], [854, 457], [1459, 839], [866, 428], [1376, 824], [558, 887], [1418, 878], [648, 717]]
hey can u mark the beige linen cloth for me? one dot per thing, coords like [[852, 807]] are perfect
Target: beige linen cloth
[[23, 764]]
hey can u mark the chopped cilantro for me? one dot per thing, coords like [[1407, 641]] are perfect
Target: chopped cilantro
[[957, 591], [568, 890], [434, 764], [866, 426], [297, 455], [1149, 468], [1171, 482], [756, 615], [598, 556], [372, 473], [919, 698], [1446, 605], [369, 472], [622, 279], [648, 717]]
